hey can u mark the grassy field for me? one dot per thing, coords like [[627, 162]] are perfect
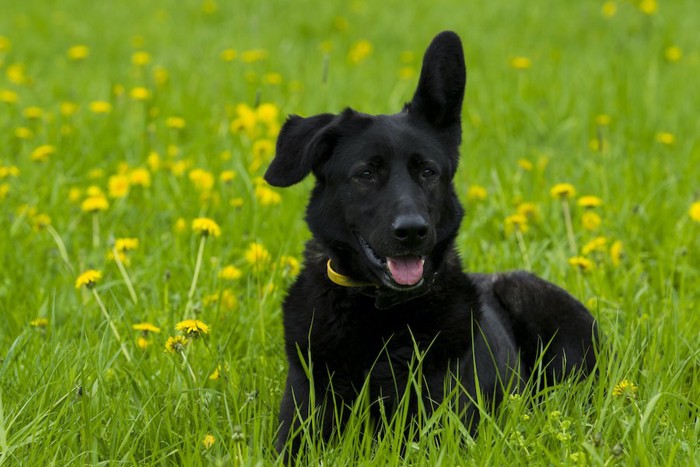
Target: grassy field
[[123, 122]]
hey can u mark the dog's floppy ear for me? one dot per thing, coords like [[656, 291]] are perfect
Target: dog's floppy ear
[[299, 147], [443, 77]]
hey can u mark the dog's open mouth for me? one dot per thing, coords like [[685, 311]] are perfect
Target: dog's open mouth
[[404, 272]]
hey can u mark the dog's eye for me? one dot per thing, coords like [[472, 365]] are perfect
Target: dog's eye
[[428, 172], [366, 175]]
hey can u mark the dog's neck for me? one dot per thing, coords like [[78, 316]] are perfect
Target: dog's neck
[[384, 297]]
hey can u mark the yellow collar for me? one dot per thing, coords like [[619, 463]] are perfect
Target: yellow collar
[[344, 281]]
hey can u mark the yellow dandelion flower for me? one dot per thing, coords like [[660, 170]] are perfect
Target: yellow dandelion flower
[[359, 51], [78, 52], [694, 211], [160, 75], [257, 254], [230, 273], [216, 374], [33, 113], [141, 58], [590, 220], [563, 191], [228, 300], [268, 113], [121, 255], [209, 7], [263, 148], [95, 174], [118, 90], [178, 168], [9, 171], [273, 78], [516, 222], [23, 133], [176, 123], [407, 72], [673, 53], [145, 328], [8, 97], [520, 63], [88, 279], [94, 190], [192, 327], [74, 194], [597, 244], [140, 93], [118, 186], [609, 9], [290, 265], [126, 244], [526, 165], [140, 177], [236, 202], [228, 55], [589, 201], [68, 108], [180, 225], [95, 204], [206, 227], [202, 180], [227, 176], [153, 161], [246, 119], [100, 107], [176, 344], [16, 74], [581, 263], [616, 252], [625, 388], [665, 137], [5, 44], [477, 193], [267, 196], [40, 222], [4, 190], [39, 323], [530, 211], [142, 343], [254, 55], [603, 120], [42, 153], [208, 441], [648, 7]]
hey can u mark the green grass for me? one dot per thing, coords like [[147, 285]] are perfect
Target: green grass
[[68, 396]]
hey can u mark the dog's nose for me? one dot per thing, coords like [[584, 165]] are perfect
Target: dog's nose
[[410, 229]]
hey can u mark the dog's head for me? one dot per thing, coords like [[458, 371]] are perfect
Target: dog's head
[[384, 205]]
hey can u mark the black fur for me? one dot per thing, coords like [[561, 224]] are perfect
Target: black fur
[[384, 212]]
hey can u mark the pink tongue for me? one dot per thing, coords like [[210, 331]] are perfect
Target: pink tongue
[[406, 270]]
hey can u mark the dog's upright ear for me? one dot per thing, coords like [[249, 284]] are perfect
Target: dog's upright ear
[[300, 145], [438, 98]]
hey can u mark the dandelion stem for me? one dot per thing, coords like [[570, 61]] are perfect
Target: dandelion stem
[[111, 324], [61, 246], [189, 367], [523, 248], [569, 225], [95, 231], [197, 267], [125, 274]]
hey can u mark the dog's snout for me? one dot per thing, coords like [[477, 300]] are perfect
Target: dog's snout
[[410, 229]]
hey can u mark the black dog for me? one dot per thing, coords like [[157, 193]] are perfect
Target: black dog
[[382, 278]]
